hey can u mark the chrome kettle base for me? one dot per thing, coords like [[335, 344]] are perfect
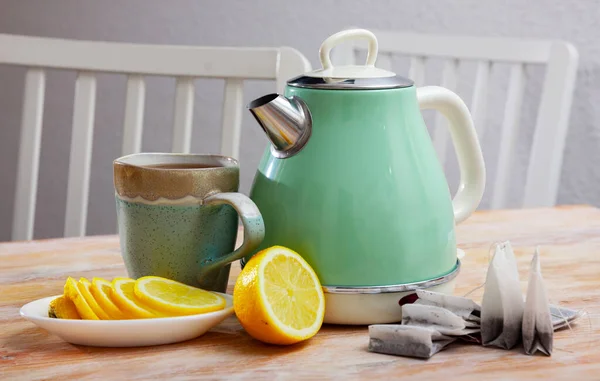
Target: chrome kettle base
[[378, 305], [406, 287]]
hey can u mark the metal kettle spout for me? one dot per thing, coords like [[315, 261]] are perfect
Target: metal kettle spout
[[287, 122]]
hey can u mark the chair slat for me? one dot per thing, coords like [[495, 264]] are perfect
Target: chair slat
[[127, 58], [497, 49], [543, 173], [417, 70], [81, 155], [134, 115], [479, 101], [184, 112], [512, 113], [29, 155], [232, 118], [441, 132]]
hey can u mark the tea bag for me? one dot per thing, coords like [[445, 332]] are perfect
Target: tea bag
[[537, 326], [429, 324], [502, 305], [460, 306], [405, 340], [437, 318], [448, 314]]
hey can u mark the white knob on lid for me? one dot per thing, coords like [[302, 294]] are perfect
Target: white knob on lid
[[368, 70], [346, 35]]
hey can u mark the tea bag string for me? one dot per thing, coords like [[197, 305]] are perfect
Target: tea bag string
[[490, 256], [584, 311]]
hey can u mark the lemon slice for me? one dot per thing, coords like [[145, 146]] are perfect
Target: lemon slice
[[73, 292], [278, 298], [176, 298], [63, 308], [84, 286], [123, 294], [101, 290]]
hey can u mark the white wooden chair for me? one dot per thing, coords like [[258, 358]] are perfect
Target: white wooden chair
[[561, 60], [185, 63]]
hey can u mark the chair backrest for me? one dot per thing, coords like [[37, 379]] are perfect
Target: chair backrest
[[185, 63], [560, 60]]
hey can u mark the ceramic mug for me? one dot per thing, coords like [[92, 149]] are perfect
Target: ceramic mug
[[178, 217]]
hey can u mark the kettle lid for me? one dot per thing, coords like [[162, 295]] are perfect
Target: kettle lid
[[350, 76]]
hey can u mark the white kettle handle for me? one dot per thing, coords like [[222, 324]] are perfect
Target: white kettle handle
[[466, 144]]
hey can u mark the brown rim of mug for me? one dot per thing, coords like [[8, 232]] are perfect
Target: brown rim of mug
[[133, 177], [222, 160]]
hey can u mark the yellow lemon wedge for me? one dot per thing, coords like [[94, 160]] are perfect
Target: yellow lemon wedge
[[73, 293], [123, 294], [101, 290], [63, 308], [175, 298], [278, 298], [84, 286]]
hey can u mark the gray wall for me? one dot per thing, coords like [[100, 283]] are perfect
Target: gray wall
[[271, 23]]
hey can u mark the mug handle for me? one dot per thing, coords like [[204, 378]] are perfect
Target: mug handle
[[464, 139], [254, 229]]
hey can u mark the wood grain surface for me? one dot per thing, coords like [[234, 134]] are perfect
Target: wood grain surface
[[569, 241]]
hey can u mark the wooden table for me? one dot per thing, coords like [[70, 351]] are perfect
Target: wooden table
[[569, 239]]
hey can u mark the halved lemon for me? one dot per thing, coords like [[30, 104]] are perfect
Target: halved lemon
[[175, 298], [278, 298], [84, 286], [101, 289], [73, 292], [123, 294]]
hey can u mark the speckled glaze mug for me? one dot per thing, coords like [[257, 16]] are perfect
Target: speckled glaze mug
[[178, 217]]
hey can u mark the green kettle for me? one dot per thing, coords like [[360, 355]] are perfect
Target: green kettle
[[351, 182]]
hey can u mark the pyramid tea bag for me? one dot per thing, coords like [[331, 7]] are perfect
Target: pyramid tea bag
[[502, 305], [406, 340], [537, 325]]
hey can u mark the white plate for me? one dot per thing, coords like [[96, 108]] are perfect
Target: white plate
[[125, 333]]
